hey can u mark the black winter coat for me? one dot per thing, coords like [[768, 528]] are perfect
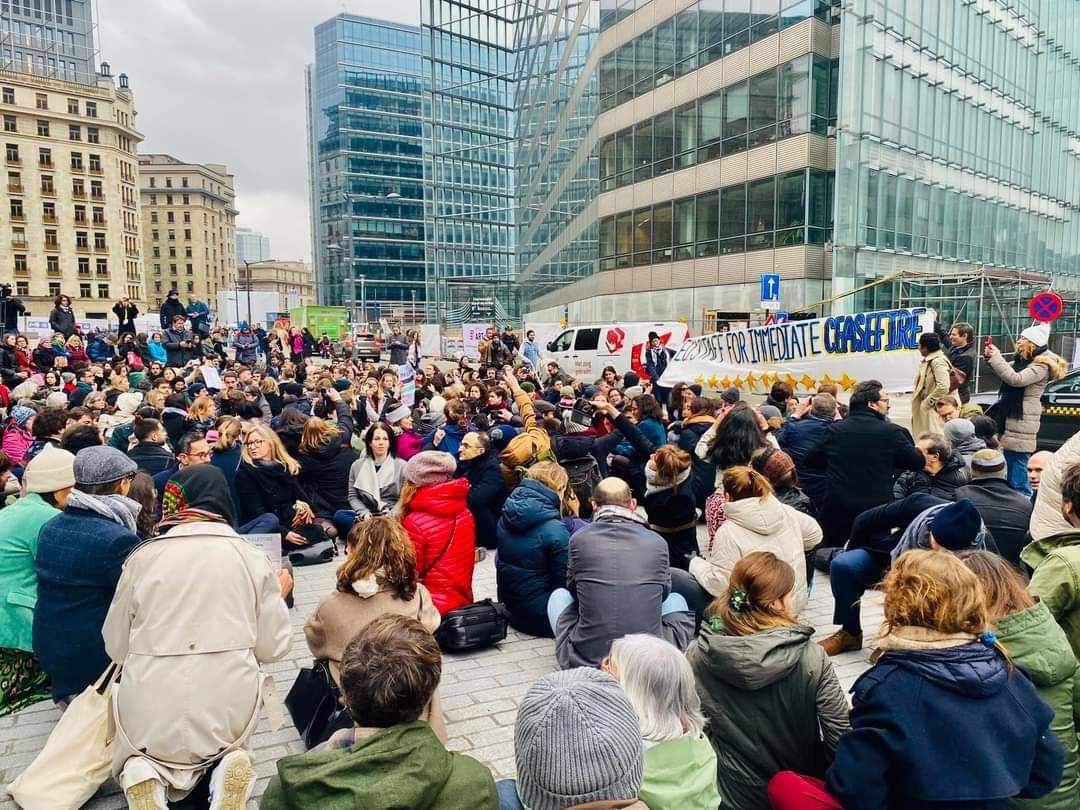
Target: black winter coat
[[576, 445], [44, 357], [942, 485], [964, 359], [673, 516], [9, 366], [798, 438], [267, 488], [487, 494], [169, 310], [703, 473], [324, 474], [1006, 513], [62, 321], [152, 458], [878, 529], [176, 424], [859, 455]]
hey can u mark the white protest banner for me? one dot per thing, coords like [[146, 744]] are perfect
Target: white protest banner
[[211, 377], [843, 349], [407, 381], [471, 335], [430, 340]]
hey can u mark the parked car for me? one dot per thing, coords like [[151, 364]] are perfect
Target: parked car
[[368, 347], [1061, 410]]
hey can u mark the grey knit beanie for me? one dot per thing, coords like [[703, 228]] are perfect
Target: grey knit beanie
[[577, 740]]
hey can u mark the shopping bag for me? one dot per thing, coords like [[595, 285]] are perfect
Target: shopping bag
[[77, 757]]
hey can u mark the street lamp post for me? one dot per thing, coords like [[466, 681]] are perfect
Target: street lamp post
[[248, 265]]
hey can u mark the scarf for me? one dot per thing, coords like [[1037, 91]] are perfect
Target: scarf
[[653, 485], [198, 494], [619, 512], [375, 482], [117, 508], [913, 639], [1012, 396]]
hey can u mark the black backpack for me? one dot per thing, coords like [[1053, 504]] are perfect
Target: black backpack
[[584, 475]]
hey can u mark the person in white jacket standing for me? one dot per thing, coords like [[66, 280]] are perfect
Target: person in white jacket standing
[[197, 611], [755, 521]]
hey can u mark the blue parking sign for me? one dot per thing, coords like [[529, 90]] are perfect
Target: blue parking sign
[[770, 289]]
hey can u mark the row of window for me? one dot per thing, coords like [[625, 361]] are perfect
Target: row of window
[[156, 235], [22, 289], [190, 269], [48, 214], [793, 98], [190, 286], [787, 209], [52, 241], [172, 252], [694, 37], [170, 217], [168, 182], [45, 160], [41, 102], [93, 134]]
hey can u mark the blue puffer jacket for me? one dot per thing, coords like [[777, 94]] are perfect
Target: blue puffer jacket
[[79, 559], [952, 728], [534, 547], [98, 350]]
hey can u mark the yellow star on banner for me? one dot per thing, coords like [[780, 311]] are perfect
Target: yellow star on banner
[[807, 382], [726, 382], [713, 382], [699, 380], [764, 377], [751, 380], [791, 381], [827, 380], [738, 382], [847, 382]]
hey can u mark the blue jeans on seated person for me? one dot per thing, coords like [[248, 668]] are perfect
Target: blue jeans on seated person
[[561, 599], [508, 797], [343, 521], [850, 575], [266, 523]]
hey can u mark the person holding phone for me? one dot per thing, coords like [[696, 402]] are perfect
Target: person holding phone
[[126, 312]]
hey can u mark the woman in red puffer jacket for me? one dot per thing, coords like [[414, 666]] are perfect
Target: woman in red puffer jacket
[[435, 514]]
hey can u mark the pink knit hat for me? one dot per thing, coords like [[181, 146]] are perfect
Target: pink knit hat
[[430, 467]]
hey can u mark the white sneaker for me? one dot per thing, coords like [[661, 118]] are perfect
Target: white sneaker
[[146, 795], [232, 782]]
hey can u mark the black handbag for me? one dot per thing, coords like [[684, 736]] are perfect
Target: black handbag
[[315, 706], [321, 549], [473, 627]]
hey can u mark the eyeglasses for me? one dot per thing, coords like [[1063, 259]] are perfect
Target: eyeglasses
[[255, 442]]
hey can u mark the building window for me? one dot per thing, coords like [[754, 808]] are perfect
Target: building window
[[102, 290], [15, 182], [41, 101], [172, 236], [54, 289], [187, 201], [99, 215], [191, 286], [91, 109], [74, 132], [16, 209], [170, 217], [12, 153], [153, 184], [76, 161], [20, 263], [183, 182], [9, 95], [22, 288], [172, 253], [172, 269], [78, 188], [96, 190], [45, 158], [82, 239], [168, 184], [168, 199], [187, 217], [52, 264], [52, 242], [153, 217], [42, 128], [80, 214], [157, 252], [84, 290], [10, 124], [73, 106], [99, 241], [95, 163], [187, 252], [93, 135], [190, 270], [48, 211], [18, 238], [157, 269], [47, 184], [103, 267], [187, 234]]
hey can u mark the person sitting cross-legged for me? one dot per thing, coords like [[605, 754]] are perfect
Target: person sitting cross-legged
[[391, 758]]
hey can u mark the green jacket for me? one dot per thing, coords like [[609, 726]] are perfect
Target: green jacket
[[401, 766], [680, 775], [18, 581], [1056, 581], [1039, 647]]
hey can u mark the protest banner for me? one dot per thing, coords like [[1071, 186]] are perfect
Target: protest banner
[[430, 340], [407, 384], [843, 349], [471, 335]]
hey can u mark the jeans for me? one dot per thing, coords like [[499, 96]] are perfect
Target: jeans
[[343, 521], [508, 797], [696, 597], [1017, 475], [850, 574], [561, 599], [266, 523]]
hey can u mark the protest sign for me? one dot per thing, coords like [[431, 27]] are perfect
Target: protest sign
[[430, 340], [471, 335], [843, 349], [407, 382], [211, 377], [269, 544]]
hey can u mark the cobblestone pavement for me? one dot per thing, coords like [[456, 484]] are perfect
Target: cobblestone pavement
[[480, 691]]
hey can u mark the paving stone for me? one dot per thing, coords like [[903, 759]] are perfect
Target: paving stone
[[480, 691]]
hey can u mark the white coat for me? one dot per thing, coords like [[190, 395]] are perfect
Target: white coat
[[754, 524], [1046, 517], [196, 612]]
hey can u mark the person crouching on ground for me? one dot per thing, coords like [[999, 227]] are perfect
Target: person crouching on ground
[[196, 612], [391, 759], [377, 577]]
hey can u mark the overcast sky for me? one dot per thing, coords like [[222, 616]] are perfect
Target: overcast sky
[[222, 81]]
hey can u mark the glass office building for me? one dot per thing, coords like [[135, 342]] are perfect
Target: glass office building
[[365, 99], [469, 157], [51, 38]]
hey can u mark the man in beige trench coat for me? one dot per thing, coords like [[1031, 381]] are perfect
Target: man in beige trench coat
[[931, 386]]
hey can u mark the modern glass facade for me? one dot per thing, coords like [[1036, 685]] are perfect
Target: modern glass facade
[[52, 38], [469, 158], [958, 142], [252, 246], [366, 105]]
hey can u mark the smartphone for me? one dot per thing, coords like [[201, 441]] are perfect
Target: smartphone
[[988, 342]]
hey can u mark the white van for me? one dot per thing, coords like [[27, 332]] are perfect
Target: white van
[[584, 351]]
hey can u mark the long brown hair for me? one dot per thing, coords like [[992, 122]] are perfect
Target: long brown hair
[[408, 492], [317, 433], [1004, 587], [380, 546], [754, 596], [670, 462]]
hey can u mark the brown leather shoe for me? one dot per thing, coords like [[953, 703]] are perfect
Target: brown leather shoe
[[840, 642]]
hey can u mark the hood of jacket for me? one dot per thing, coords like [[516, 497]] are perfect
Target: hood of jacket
[[407, 762], [325, 453], [968, 446], [1037, 550], [447, 498], [752, 662], [764, 516], [972, 670], [1037, 643], [953, 469], [530, 505], [1056, 365]]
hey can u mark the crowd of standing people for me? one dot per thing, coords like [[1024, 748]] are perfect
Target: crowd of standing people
[[666, 539]]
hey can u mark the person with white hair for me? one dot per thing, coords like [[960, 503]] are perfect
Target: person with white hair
[[680, 763]]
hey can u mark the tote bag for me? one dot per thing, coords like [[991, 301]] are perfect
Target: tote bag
[[77, 757]]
